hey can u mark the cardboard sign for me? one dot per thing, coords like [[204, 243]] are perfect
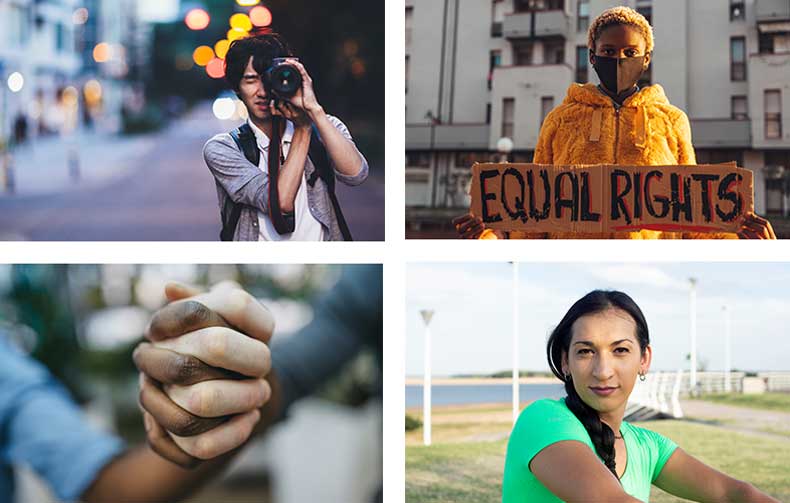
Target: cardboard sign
[[604, 198]]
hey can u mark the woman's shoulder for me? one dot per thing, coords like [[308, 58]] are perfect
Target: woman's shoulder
[[545, 410], [646, 437]]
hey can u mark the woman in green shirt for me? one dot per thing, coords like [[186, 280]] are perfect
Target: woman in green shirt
[[556, 448]]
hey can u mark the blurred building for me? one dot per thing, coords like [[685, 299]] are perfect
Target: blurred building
[[477, 72], [79, 61]]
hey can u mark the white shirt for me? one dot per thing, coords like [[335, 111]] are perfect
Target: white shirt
[[306, 227]]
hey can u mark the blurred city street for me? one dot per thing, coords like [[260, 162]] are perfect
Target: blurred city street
[[154, 186]]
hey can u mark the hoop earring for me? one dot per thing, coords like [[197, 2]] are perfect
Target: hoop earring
[[642, 376], [567, 377]]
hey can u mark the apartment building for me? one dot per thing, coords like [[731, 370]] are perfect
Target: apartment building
[[481, 76]]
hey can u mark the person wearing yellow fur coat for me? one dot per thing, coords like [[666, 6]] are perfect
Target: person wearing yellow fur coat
[[616, 123]]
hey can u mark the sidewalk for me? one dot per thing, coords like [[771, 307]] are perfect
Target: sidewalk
[[41, 166], [771, 422]]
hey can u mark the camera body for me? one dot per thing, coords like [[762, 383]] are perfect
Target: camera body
[[282, 79]]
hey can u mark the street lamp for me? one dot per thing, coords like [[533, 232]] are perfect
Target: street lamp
[[426, 314], [515, 344], [693, 333], [504, 146], [727, 353]]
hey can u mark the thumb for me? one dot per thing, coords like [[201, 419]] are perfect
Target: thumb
[[178, 291]]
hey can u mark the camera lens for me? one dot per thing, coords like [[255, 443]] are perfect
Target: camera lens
[[285, 80]]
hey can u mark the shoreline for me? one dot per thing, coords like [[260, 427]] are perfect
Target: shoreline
[[480, 381]]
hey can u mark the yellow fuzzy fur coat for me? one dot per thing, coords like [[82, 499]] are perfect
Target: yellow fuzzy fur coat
[[588, 129]]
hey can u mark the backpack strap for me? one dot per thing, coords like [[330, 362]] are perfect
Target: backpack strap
[[323, 169], [244, 138]]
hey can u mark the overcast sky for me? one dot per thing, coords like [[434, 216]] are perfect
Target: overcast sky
[[472, 327]]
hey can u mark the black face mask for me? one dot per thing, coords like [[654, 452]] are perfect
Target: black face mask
[[618, 75]]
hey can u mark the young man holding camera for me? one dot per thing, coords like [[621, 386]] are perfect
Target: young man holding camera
[[294, 203]]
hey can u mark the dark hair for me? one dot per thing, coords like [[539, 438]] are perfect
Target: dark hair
[[558, 344], [263, 48]]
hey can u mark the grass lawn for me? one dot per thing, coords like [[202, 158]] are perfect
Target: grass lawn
[[459, 470], [768, 401]]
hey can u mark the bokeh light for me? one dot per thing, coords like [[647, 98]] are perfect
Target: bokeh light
[[16, 82], [70, 96], [223, 108], [202, 55], [241, 21], [261, 16], [241, 110], [80, 16], [92, 92], [216, 68], [235, 34], [197, 19], [221, 48], [101, 53], [248, 3]]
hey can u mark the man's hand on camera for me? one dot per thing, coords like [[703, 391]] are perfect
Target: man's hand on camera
[[203, 380], [305, 98]]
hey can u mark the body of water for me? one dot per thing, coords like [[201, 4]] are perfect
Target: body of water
[[481, 393]]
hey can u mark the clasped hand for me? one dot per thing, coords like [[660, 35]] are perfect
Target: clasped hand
[[202, 373]]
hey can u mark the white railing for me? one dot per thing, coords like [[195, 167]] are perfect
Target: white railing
[[775, 381]]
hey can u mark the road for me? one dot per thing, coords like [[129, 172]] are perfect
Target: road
[[154, 188]]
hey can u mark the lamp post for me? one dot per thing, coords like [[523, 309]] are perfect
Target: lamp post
[[426, 314], [504, 146], [727, 353], [693, 333], [515, 344]]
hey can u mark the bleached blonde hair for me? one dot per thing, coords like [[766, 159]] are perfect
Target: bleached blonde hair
[[621, 16]]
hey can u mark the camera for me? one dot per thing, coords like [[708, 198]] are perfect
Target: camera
[[282, 79]]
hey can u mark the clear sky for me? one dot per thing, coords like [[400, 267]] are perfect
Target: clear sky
[[472, 328]]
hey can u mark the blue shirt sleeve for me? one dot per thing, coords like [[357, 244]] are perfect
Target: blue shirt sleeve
[[347, 318], [41, 426]]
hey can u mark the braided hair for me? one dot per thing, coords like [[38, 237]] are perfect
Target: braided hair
[[558, 345]]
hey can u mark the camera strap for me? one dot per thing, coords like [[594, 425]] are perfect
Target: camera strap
[[284, 223]]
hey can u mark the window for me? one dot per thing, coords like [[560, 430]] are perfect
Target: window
[[553, 52], [409, 12], [582, 15], [647, 12], [737, 11], [416, 159], [546, 105], [60, 36], [407, 73], [494, 60], [466, 159], [766, 43], [508, 109], [739, 109], [581, 63], [737, 58], [714, 156], [537, 5], [522, 52], [773, 114], [488, 113]]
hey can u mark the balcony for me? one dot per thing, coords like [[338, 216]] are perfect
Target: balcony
[[546, 23], [772, 10], [447, 137], [721, 133]]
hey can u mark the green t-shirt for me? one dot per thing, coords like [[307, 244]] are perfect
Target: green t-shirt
[[546, 422]]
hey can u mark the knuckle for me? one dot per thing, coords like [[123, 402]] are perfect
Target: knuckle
[[186, 425], [182, 369], [205, 447], [195, 314], [216, 344], [203, 401]]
